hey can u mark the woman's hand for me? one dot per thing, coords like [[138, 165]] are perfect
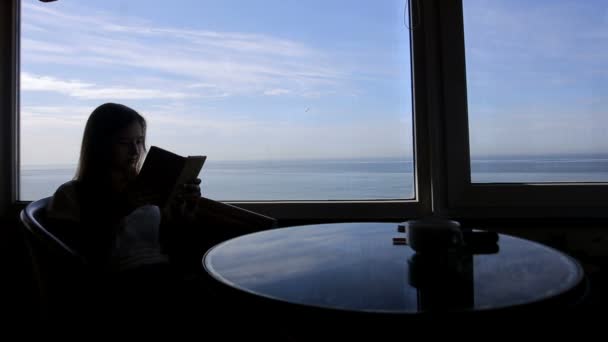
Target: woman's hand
[[190, 193], [186, 199]]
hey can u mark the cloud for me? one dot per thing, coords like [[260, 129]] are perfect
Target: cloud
[[90, 91], [44, 83], [54, 116], [233, 63], [38, 46], [274, 92]]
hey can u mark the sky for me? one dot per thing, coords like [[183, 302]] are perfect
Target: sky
[[537, 76], [231, 80], [320, 79]]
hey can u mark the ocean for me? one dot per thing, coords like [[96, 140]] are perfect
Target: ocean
[[360, 179]]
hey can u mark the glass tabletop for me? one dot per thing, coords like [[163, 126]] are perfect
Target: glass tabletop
[[356, 267]]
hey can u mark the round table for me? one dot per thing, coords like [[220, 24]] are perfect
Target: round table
[[356, 267]]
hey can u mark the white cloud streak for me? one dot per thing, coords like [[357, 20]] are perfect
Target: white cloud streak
[[89, 91], [54, 116], [274, 92]]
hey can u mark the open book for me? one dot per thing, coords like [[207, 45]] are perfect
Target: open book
[[163, 171]]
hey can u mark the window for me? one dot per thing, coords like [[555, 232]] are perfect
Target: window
[[528, 118], [536, 86], [337, 73], [291, 101]]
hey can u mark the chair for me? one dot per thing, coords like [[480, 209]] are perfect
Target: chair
[[58, 270], [68, 286]]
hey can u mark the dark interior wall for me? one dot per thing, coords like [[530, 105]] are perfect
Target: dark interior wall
[[588, 242], [17, 292]]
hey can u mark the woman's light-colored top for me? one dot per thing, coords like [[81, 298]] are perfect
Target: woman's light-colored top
[[134, 238]]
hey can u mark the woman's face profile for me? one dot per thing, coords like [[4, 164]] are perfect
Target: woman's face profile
[[128, 147]]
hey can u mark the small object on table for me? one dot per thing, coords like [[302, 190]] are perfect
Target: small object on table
[[401, 227], [399, 241]]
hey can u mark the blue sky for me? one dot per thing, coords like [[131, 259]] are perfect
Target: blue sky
[[537, 74], [279, 79]]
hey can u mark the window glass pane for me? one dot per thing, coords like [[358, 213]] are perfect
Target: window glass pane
[[290, 100], [537, 79]]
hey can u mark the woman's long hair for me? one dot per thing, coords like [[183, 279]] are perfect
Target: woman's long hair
[[104, 123]]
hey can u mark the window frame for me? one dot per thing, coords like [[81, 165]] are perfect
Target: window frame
[[301, 210], [9, 104], [466, 199]]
